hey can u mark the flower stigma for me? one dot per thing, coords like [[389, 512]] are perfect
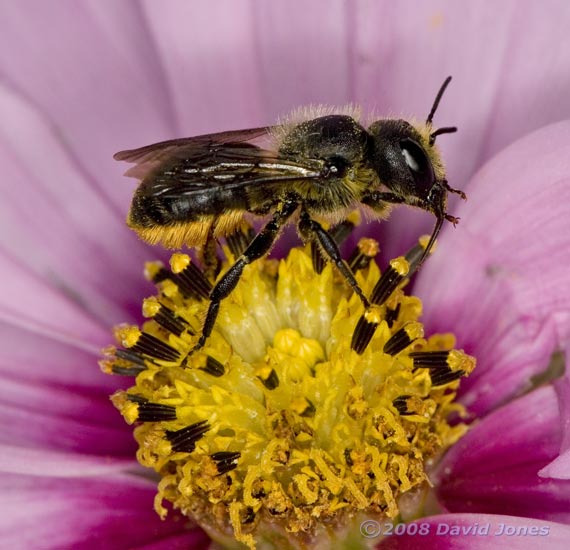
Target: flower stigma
[[303, 411]]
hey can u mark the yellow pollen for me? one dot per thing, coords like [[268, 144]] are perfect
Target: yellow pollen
[[374, 314], [278, 430], [400, 265], [127, 335], [368, 247], [151, 306], [414, 330], [424, 240], [179, 262]]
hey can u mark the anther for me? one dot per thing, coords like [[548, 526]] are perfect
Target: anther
[[165, 317], [184, 440], [430, 359], [268, 377], [400, 340], [390, 280], [392, 315], [408, 405], [154, 412], [303, 407], [365, 329], [152, 346], [214, 367], [440, 377], [189, 277], [225, 461], [365, 250], [239, 240]]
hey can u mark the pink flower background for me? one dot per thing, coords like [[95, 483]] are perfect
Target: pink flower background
[[82, 80]]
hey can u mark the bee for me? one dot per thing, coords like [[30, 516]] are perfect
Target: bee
[[195, 190]]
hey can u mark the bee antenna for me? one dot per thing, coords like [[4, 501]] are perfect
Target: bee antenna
[[439, 131], [431, 242], [438, 99]]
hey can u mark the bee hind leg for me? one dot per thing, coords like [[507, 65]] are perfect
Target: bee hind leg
[[257, 248], [209, 256], [313, 231]]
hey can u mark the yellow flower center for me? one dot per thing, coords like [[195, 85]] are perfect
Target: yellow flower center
[[302, 411]]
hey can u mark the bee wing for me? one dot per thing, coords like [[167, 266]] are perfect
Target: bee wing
[[187, 166], [150, 156]]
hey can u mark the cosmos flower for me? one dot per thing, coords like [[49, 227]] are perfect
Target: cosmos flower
[[83, 80]]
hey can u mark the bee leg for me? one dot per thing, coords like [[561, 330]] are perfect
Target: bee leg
[[209, 257], [313, 231], [257, 248]]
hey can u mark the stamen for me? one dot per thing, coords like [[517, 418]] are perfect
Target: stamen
[[225, 461], [156, 272], [214, 367], [392, 315], [400, 270], [403, 338], [166, 318], [154, 412], [390, 280], [190, 279], [239, 240], [365, 250], [303, 407], [268, 377], [365, 329], [184, 440], [444, 366], [133, 338]]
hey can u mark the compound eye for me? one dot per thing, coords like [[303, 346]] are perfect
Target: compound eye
[[419, 166]]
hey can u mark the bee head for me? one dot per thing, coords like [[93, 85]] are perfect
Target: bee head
[[408, 163]]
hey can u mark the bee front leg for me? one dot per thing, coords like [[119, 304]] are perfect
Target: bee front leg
[[313, 231], [259, 247]]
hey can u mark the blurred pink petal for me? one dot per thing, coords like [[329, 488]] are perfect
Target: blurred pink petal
[[72, 223], [110, 512], [93, 71], [503, 532], [494, 467], [560, 466], [499, 281], [15, 459]]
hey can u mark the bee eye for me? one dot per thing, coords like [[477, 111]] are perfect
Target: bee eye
[[419, 166]]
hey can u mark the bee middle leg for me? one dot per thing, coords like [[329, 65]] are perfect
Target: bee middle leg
[[257, 248], [314, 231]]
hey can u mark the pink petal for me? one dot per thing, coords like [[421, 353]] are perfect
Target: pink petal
[[560, 466], [92, 70], [110, 512], [55, 397], [494, 467], [37, 306], [43, 462], [75, 240], [499, 280], [480, 531]]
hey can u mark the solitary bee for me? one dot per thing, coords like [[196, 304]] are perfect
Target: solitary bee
[[194, 190]]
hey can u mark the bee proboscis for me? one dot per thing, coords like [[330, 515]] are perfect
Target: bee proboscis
[[194, 190]]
